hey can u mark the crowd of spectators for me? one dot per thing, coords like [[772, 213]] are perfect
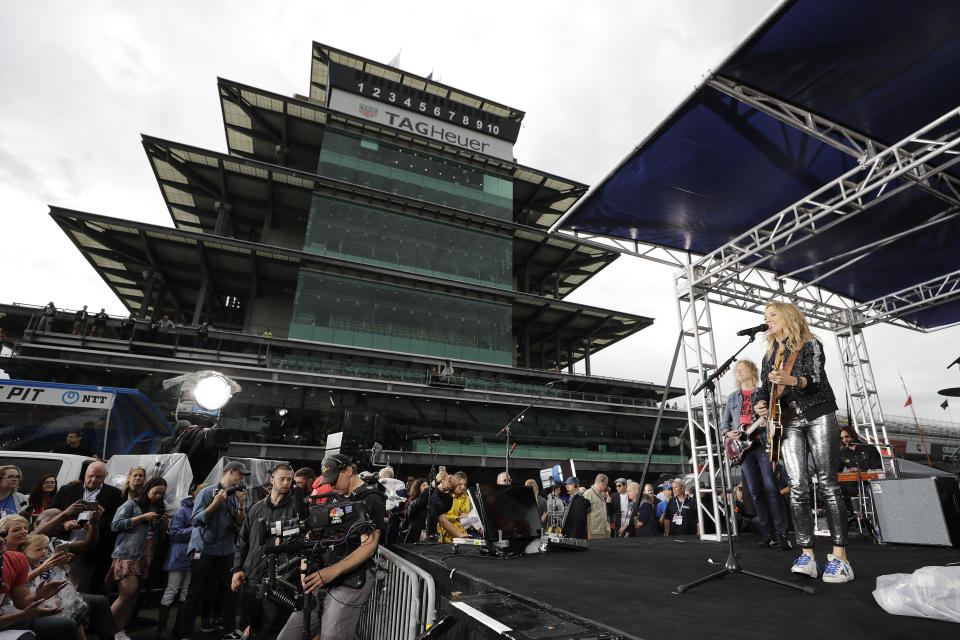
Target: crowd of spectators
[[76, 558]]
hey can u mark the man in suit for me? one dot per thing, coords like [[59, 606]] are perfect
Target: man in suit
[[88, 570]]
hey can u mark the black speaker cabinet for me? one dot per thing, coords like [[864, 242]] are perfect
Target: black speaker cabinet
[[918, 510]]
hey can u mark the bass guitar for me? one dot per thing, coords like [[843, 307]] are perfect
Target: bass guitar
[[738, 448]]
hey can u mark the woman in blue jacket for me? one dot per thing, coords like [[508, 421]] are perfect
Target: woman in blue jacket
[[178, 562], [138, 524]]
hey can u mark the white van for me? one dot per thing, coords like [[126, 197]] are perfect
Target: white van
[[34, 465]]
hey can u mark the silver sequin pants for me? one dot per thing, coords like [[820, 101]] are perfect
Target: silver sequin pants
[[820, 439]]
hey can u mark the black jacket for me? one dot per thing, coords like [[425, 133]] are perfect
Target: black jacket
[[252, 539], [416, 517], [864, 457], [109, 498], [575, 517], [814, 400]]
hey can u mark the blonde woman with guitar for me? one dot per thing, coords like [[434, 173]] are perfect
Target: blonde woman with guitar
[[800, 406], [744, 442]]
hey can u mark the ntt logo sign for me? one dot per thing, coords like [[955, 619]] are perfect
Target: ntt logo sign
[[51, 396]]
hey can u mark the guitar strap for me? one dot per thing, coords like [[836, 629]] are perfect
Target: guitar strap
[[787, 368]]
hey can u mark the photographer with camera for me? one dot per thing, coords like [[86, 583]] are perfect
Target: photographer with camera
[[250, 563], [218, 513], [347, 578]]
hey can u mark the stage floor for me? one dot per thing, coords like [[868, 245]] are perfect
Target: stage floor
[[628, 584]]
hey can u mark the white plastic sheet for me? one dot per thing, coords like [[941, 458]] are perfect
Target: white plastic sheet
[[929, 592], [174, 467]]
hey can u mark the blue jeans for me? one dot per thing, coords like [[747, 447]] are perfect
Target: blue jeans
[[208, 567], [760, 479]]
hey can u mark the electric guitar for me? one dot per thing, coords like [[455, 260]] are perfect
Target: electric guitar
[[738, 448], [774, 414]]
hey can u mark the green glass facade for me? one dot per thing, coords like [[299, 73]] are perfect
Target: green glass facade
[[415, 174], [381, 316], [379, 237], [361, 313]]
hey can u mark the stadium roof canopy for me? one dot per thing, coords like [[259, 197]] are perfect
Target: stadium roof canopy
[[818, 162]]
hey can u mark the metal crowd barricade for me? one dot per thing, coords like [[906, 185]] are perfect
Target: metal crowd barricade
[[402, 604]]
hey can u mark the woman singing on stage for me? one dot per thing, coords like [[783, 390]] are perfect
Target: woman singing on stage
[[810, 427]]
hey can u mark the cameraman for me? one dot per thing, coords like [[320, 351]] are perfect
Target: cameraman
[[347, 578], [218, 513], [250, 563]]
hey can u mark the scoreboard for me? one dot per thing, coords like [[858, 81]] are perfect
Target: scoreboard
[[403, 106]]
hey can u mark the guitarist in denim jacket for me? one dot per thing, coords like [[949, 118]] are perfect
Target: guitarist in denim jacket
[[757, 470]]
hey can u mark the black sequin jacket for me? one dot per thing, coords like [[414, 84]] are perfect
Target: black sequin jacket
[[814, 400]]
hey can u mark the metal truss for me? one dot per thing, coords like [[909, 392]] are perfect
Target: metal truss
[[878, 179], [843, 138], [700, 360], [654, 253], [912, 299], [862, 398]]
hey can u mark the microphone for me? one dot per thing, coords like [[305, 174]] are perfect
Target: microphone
[[752, 331]]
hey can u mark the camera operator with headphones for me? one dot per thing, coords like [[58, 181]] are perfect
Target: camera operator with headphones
[[218, 513], [347, 578]]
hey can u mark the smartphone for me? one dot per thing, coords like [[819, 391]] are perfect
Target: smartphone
[[443, 468], [63, 546], [90, 505]]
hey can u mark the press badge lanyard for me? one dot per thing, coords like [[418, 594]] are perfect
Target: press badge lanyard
[[680, 507]]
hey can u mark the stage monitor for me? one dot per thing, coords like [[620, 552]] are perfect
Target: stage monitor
[[507, 512]]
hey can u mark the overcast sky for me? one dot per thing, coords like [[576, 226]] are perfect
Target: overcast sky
[[80, 81]]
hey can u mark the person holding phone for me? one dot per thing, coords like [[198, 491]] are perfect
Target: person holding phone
[[137, 523], [93, 489]]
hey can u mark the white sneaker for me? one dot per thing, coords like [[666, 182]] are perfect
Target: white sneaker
[[806, 565], [836, 570]]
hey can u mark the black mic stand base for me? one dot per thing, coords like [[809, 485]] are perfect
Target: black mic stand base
[[732, 566]]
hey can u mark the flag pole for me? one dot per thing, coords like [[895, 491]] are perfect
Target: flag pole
[[915, 421]]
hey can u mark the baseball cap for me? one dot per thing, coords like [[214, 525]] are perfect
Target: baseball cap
[[236, 466], [331, 467], [572, 480], [620, 481]]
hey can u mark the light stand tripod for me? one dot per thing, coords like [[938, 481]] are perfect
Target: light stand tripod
[[517, 418], [732, 565]]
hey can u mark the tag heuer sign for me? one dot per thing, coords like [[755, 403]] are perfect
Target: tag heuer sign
[[445, 132]]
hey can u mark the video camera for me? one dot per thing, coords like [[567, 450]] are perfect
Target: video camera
[[301, 545]]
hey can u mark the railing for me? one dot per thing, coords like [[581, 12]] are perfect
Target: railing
[[402, 604], [224, 343], [539, 451]]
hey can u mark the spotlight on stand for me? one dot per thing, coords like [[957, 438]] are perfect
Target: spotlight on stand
[[202, 393], [213, 392], [200, 397]]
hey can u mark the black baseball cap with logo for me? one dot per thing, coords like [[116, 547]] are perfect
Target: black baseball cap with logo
[[331, 467]]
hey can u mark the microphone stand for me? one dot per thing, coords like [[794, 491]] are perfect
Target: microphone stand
[[732, 565], [517, 418]]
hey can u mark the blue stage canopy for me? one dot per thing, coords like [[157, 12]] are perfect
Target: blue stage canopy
[[718, 167]]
